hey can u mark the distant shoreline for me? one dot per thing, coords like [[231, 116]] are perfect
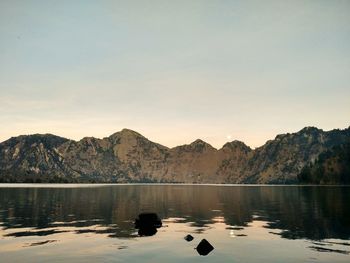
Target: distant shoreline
[[82, 185]]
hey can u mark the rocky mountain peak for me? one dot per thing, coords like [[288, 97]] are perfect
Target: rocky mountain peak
[[310, 129], [126, 133], [200, 144], [236, 145], [126, 137], [48, 140], [196, 146], [130, 132]]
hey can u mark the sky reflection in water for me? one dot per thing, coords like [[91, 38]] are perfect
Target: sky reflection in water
[[243, 223]]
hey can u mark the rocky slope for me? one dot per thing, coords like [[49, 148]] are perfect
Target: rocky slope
[[331, 167], [127, 156], [281, 160]]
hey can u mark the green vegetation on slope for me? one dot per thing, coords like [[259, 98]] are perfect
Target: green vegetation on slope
[[331, 167]]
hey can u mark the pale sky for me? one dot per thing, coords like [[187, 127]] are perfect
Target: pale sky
[[174, 71]]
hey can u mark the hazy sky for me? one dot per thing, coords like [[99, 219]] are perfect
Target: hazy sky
[[174, 71]]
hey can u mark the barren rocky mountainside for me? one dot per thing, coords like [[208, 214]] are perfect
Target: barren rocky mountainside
[[127, 156]]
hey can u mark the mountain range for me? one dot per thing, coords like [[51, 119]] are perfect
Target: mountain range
[[127, 156]]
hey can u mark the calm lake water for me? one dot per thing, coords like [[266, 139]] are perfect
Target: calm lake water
[[95, 223]]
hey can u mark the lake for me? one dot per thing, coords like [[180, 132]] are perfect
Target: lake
[[95, 223]]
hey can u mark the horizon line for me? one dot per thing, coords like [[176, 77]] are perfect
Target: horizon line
[[198, 139]]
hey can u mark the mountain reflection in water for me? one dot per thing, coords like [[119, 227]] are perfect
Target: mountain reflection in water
[[314, 214]]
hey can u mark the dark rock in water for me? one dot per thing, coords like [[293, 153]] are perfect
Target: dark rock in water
[[148, 219], [204, 247], [147, 224], [188, 238]]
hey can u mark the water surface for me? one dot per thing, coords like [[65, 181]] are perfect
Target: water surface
[[95, 223]]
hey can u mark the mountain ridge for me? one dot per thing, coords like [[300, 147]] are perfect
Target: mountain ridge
[[124, 130], [128, 156]]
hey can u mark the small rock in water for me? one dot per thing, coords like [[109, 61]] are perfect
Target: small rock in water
[[147, 224], [204, 247], [188, 238]]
